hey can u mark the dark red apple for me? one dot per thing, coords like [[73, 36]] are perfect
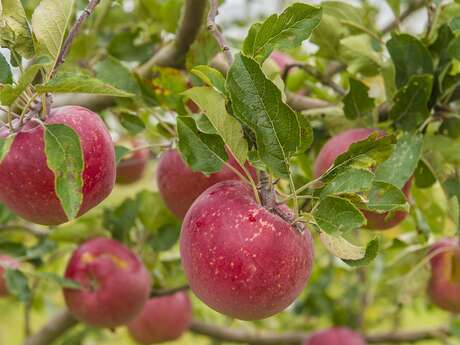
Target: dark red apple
[[162, 319], [115, 283], [6, 262], [131, 168], [340, 144], [28, 185], [239, 258], [179, 186], [444, 285], [335, 336]]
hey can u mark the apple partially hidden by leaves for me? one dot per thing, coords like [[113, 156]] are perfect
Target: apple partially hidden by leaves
[[28, 185], [115, 284], [5, 263], [335, 336], [241, 259], [179, 186], [340, 144], [131, 168], [162, 319], [444, 285]]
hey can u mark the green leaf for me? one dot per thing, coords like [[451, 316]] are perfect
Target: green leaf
[[18, 285], [358, 52], [13, 21], [424, 175], [453, 49], [120, 220], [58, 280], [257, 102], [202, 152], [132, 123], [287, 30], [410, 107], [306, 134], [357, 102], [336, 215], [211, 77], [363, 154], [49, 22], [410, 57], [65, 159], [153, 212], [384, 197], [81, 83], [166, 237], [40, 250], [372, 250], [9, 93], [212, 104], [454, 25], [112, 72], [402, 163], [6, 77], [5, 145], [349, 181], [340, 247], [121, 152]]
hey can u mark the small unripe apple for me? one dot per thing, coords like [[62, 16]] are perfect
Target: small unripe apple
[[444, 285], [179, 186], [28, 185], [241, 259], [281, 59], [335, 336], [162, 319], [115, 284], [131, 168], [340, 144], [6, 262]]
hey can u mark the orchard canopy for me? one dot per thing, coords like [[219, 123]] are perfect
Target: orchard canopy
[[229, 172]]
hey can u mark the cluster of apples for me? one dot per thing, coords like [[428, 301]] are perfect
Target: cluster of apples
[[240, 259]]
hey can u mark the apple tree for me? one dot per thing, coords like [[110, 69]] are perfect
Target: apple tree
[[162, 179]]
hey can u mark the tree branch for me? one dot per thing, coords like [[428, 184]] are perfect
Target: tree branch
[[56, 327], [173, 54], [295, 338], [214, 29], [74, 31], [21, 227], [413, 7]]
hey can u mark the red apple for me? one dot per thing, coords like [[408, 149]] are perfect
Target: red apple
[[444, 285], [179, 186], [6, 262], [335, 336], [115, 284], [162, 319], [28, 185], [131, 168], [340, 144], [239, 258]]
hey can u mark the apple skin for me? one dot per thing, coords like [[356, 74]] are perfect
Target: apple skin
[[335, 336], [28, 185], [115, 283], [444, 284], [162, 319], [239, 258], [282, 60], [131, 168], [179, 186], [340, 144], [9, 262]]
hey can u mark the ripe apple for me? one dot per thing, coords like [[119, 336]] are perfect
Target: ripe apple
[[131, 168], [6, 262], [335, 336], [115, 284], [28, 185], [444, 285], [241, 259], [179, 186], [340, 144], [162, 319]]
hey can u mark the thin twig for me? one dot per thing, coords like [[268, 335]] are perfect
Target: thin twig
[[413, 7], [21, 227], [55, 327], [74, 31], [214, 30]]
